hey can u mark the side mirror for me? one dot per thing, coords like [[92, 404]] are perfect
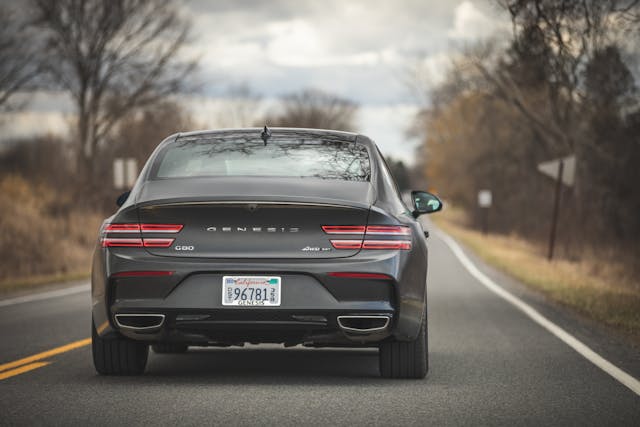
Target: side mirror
[[122, 198], [424, 203]]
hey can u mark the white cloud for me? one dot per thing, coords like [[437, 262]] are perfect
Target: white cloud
[[432, 69], [288, 45], [387, 126], [30, 123], [43, 112], [470, 23], [294, 43]]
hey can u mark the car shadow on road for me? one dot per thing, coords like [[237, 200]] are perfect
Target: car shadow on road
[[264, 365]]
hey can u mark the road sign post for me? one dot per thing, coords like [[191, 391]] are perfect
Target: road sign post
[[125, 172], [485, 199], [563, 171], [556, 210]]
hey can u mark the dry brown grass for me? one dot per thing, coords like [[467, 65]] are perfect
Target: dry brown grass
[[596, 286], [42, 238]]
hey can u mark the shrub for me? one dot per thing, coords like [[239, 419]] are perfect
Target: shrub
[[37, 236]]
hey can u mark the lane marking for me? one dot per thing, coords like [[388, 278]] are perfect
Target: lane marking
[[22, 370], [45, 354], [621, 376], [45, 295]]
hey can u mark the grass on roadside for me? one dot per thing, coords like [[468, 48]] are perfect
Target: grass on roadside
[[44, 236], [605, 294]]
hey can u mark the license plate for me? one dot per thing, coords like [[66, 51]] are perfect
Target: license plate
[[251, 290]]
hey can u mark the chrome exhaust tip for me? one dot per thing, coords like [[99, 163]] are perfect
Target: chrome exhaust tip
[[363, 324], [139, 322]]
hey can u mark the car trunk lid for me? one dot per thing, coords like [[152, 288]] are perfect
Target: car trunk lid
[[253, 218]]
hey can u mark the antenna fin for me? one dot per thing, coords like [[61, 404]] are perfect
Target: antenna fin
[[265, 135]]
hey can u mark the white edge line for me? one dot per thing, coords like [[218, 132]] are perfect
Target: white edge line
[[45, 295], [621, 376]]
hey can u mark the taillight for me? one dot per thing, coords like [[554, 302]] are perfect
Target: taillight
[[148, 242], [344, 229], [386, 244], [371, 244], [389, 230], [161, 228], [110, 242], [122, 228], [352, 275], [369, 230], [386, 230], [157, 243], [347, 244]]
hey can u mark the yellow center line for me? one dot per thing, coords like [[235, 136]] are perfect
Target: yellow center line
[[22, 369], [44, 355]]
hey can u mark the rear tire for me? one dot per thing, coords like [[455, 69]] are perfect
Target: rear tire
[[410, 359], [169, 348], [118, 356]]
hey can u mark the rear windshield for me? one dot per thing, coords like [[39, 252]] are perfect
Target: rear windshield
[[311, 157]]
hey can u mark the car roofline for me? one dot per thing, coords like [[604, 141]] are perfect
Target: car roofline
[[349, 136], [259, 129]]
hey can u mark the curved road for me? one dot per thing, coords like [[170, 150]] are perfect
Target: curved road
[[490, 364]]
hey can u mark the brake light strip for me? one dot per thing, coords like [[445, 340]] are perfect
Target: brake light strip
[[386, 230], [372, 244]]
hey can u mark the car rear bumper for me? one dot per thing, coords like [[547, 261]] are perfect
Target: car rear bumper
[[234, 327], [193, 311], [312, 301]]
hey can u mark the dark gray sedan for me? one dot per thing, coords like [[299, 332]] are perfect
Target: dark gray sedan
[[293, 236]]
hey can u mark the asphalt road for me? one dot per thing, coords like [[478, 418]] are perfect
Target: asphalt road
[[490, 365]]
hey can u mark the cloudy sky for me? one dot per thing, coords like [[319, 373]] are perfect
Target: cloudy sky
[[360, 50]]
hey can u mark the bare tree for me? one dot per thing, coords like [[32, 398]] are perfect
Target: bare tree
[[17, 65], [241, 107], [315, 109], [570, 32], [112, 57], [139, 134]]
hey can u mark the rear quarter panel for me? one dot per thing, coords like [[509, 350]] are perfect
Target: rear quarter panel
[[411, 293]]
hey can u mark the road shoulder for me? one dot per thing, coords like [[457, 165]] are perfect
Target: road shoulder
[[42, 290], [610, 343]]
